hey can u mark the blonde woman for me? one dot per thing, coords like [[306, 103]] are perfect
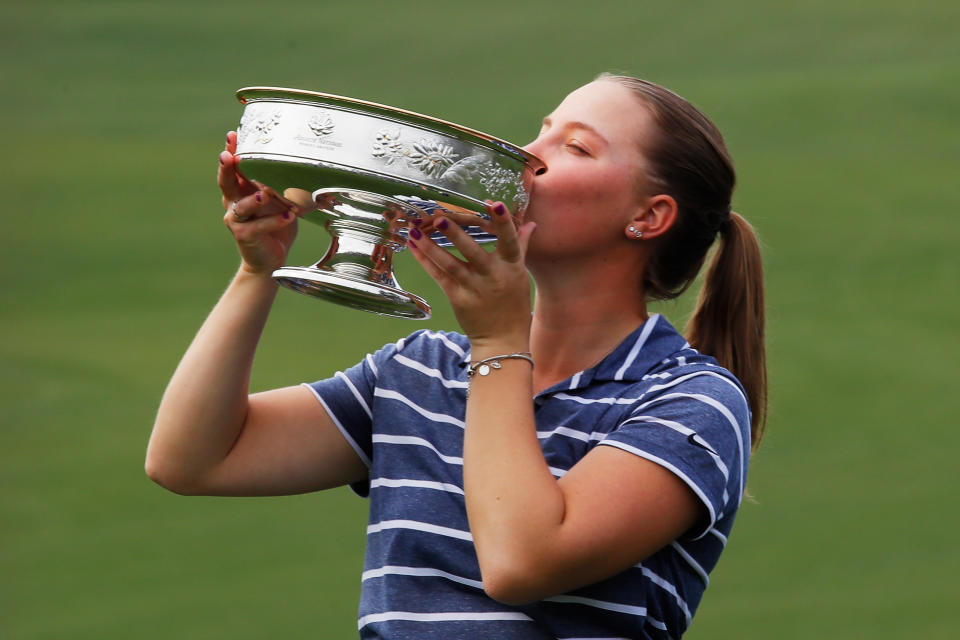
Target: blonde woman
[[566, 470]]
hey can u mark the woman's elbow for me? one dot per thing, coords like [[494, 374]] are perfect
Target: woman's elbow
[[167, 476], [513, 583]]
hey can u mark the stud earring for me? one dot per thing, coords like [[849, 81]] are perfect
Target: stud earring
[[636, 232]]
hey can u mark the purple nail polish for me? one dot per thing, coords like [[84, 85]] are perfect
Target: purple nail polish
[[415, 233], [286, 215], [258, 197], [499, 209], [417, 222], [443, 224], [412, 244]]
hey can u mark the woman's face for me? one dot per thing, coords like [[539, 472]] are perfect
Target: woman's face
[[590, 191]]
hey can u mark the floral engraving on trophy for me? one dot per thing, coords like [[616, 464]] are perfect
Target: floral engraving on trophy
[[387, 145], [464, 170], [258, 121], [432, 158], [321, 123]]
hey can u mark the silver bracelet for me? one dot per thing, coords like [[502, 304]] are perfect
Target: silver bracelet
[[483, 367]]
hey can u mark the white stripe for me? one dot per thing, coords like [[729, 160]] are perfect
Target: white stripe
[[373, 366], [579, 400], [355, 392], [647, 328], [416, 484], [453, 346], [571, 433], [693, 563], [719, 535], [600, 604], [653, 622], [419, 442], [415, 525], [420, 572], [687, 431], [346, 434], [575, 380], [663, 463], [726, 414], [436, 417], [669, 588], [686, 377], [440, 617], [433, 373]]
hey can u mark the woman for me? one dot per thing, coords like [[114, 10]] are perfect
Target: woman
[[595, 510]]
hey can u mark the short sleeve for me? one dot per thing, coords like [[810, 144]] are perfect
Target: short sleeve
[[348, 398], [700, 431]]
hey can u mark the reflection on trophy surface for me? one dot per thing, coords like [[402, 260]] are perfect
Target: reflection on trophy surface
[[365, 171]]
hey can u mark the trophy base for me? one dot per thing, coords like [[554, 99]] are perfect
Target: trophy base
[[353, 292]]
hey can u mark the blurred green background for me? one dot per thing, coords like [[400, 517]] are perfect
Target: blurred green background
[[842, 117]]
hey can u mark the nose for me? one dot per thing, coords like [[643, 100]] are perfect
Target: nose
[[531, 148]]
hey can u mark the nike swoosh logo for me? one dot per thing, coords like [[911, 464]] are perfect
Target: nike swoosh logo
[[697, 441]]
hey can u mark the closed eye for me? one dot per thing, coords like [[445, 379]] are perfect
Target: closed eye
[[576, 148]]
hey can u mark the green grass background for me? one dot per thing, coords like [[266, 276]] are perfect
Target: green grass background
[[842, 116]]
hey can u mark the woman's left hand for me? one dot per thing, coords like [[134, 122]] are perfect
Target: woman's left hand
[[489, 290]]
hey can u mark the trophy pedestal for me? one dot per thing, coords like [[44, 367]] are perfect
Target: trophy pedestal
[[357, 270]]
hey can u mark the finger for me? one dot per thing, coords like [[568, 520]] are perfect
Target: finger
[[231, 142], [263, 203], [230, 182], [248, 230], [523, 235], [432, 268], [507, 245], [465, 244], [441, 258]]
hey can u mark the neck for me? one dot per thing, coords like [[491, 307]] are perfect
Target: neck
[[579, 318]]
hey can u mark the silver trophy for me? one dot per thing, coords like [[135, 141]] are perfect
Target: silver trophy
[[366, 171]]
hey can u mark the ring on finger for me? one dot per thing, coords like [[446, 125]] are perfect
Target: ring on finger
[[236, 214]]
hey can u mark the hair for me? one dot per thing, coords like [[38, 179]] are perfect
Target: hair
[[689, 160]]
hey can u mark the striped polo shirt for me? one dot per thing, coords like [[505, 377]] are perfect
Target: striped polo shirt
[[402, 410]]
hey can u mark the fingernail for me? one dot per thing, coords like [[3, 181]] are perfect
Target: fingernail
[[224, 156], [416, 233], [228, 137], [411, 243], [259, 197], [417, 222], [499, 209], [286, 215], [443, 224]]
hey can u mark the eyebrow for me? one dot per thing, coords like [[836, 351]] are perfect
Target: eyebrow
[[577, 124]]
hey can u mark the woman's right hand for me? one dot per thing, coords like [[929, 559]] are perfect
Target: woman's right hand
[[261, 220]]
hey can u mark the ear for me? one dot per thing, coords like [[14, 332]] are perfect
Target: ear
[[654, 218]]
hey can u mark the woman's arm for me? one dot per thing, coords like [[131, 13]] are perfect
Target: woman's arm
[[536, 536], [210, 437]]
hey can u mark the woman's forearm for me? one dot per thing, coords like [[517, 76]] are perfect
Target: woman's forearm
[[203, 409], [514, 503]]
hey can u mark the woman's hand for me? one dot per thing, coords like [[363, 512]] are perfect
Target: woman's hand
[[262, 222], [489, 290]]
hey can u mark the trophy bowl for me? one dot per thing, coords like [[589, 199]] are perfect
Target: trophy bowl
[[365, 171]]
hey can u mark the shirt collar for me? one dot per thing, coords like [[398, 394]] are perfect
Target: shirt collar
[[647, 346]]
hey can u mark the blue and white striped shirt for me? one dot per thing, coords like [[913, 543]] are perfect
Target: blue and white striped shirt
[[402, 409]]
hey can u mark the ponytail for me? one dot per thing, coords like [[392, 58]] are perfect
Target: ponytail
[[728, 322], [688, 159]]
